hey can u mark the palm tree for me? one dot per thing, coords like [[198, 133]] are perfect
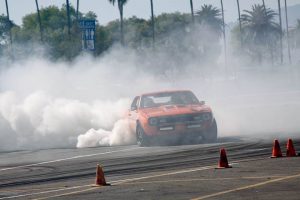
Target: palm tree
[[121, 3], [240, 22], [211, 17], [287, 32], [69, 19], [224, 33], [39, 19], [280, 24], [297, 30], [9, 22], [77, 10], [192, 10], [259, 29], [152, 21]]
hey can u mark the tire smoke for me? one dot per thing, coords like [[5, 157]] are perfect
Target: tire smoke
[[46, 104]]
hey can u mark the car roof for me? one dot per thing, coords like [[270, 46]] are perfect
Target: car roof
[[165, 91]]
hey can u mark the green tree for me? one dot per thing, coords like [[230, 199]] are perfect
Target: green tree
[[121, 4], [55, 32], [5, 25], [260, 31]]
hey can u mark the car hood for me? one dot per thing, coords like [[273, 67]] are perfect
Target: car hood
[[174, 110]]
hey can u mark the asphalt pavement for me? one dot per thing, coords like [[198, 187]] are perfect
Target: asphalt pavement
[[161, 172]]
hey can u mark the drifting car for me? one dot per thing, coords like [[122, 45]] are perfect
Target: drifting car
[[171, 116]]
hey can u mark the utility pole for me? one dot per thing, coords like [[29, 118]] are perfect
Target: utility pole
[[39, 19], [192, 11], [287, 32], [280, 23], [240, 22], [69, 20], [224, 34], [152, 22], [8, 22]]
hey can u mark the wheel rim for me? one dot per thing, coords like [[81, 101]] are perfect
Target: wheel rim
[[139, 136]]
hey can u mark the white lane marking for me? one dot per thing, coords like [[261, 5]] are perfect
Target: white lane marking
[[46, 192], [247, 187], [124, 180], [65, 159], [168, 174], [115, 182], [160, 175]]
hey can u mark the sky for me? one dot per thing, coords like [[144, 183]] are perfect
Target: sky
[[140, 8]]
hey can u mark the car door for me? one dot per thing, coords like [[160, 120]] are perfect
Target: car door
[[133, 113]]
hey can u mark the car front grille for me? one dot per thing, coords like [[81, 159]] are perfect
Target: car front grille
[[187, 118]]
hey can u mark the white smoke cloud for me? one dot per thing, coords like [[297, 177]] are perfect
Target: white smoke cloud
[[121, 134], [46, 104]]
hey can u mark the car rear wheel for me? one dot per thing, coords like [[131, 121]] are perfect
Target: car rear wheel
[[141, 137], [211, 134]]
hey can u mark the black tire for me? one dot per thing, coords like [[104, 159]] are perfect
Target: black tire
[[211, 134], [141, 137]]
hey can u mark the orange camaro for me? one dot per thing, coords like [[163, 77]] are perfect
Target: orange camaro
[[171, 116]]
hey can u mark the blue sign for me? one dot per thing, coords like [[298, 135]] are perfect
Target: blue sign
[[88, 28]]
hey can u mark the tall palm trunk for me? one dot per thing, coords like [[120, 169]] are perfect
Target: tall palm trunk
[[263, 1], [152, 21], [224, 33], [280, 23], [8, 22], [269, 45], [287, 32], [69, 19], [120, 5], [240, 22], [39, 19], [192, 10], [77, 10]]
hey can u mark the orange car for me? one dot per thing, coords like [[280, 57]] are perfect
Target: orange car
[[171, 116]]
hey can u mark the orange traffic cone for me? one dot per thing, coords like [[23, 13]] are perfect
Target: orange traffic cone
[[276, 152], [290, 150], [100, 179], [223, 162]]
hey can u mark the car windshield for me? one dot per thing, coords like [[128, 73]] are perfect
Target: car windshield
[[168, 98]]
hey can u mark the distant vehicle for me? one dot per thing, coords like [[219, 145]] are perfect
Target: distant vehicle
[[171, 117]]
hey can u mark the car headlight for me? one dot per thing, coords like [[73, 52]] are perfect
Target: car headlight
[[206, 116], [153, 121]]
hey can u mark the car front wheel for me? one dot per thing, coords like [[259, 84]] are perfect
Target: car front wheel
[[211, 134], [141, 137]]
